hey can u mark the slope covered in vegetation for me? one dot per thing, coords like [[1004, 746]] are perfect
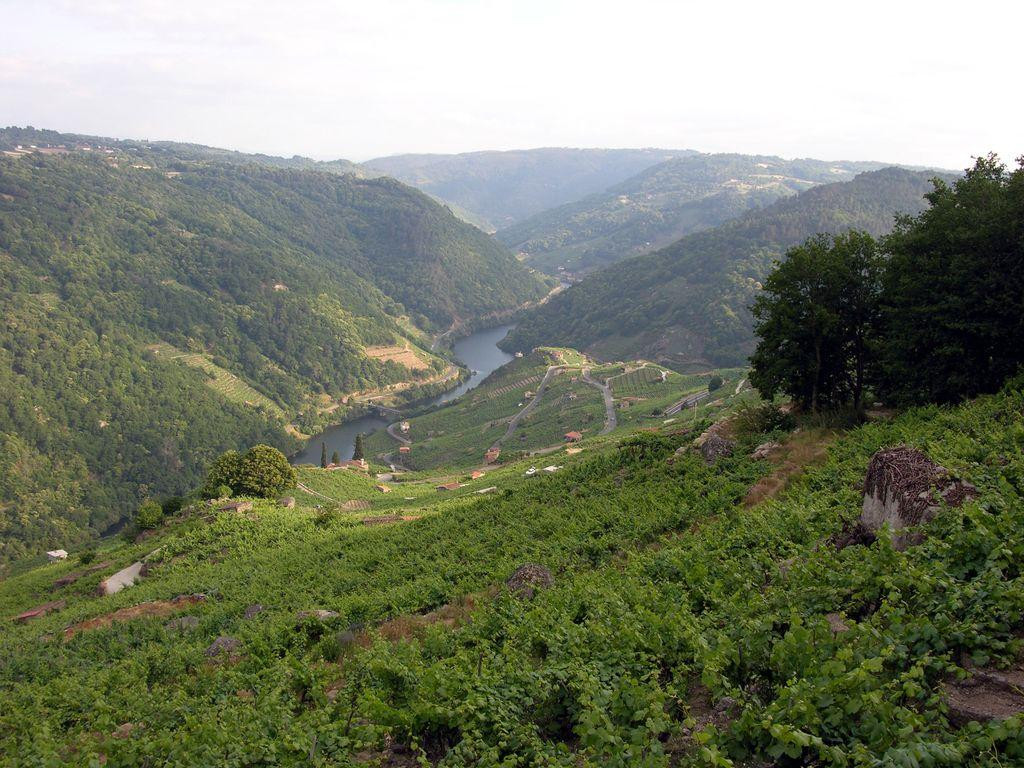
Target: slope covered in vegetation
[[279, 279], [501, 188], [662, 204], [690, 302], [682, 627]]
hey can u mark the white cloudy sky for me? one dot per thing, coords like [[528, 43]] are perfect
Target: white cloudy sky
[[915, 82]]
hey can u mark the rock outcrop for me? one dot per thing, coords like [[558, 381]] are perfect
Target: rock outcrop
[[527, 579], [903, 489]]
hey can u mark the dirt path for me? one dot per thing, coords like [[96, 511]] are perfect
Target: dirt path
[[687, 402], [393, 432], [311, 492], [548, 375], [610, 419]]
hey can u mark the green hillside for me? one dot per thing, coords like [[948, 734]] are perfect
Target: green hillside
[[683, 626], [689, 303], [271, 283], [662, 204], [497, 189]]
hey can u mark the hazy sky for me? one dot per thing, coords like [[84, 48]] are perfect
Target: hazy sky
[[915, 82]]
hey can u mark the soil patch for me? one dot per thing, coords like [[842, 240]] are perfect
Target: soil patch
[[159, 608]]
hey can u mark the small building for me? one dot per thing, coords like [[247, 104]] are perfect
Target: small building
[[56, 554], [236, 506], [573, 437], [404, 449], [404, 426], [489, 489], [448, 487], [359, 465], [476, 474], [288, 502], [551, 469], [492, 455], [382, 488]]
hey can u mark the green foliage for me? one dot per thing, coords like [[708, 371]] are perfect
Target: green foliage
[[264, 471], [323, 455], [223, 472], [612, 665], [87, 556], [751, 419], [156, 317], [953, 300], [223, 492], [149, 515], [357, 450], [715, 383], [690, 302], [816, 320]]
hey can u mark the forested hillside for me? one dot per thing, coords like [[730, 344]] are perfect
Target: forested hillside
[[128, 283], [662, 204], [689, 303], [498, 189]]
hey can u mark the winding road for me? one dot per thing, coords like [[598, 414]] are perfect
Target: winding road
[[610, 419], [551, 371]]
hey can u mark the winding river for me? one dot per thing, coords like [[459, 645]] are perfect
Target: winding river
[[479, 352]]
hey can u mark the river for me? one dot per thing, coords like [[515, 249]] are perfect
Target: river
[[479, 352]]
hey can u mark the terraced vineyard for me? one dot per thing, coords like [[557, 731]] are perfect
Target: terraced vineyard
[[680, 626], [220, 380]]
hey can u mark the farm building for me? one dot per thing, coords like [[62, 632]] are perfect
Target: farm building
[[382, 488], [492, 455], [476, 474], [56, 554], [448, 487], [573, 437], [404, 449], [404, 426]]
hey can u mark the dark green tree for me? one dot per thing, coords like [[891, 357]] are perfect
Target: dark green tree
[[714, 383], [357, 451], [335, 458], [953, 298], [265, 471], [815, 320], [323, 455]]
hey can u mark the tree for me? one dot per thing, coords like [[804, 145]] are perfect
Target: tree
[[225, 471], [323, 455], [357, 452], [715, 382], [815, 320], [953, 296], [335, 458], [150, 515], [265, 471]]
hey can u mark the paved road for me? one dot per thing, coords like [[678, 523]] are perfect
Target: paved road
[[393, 432], [687, 402], [610, 419], [551, 371]]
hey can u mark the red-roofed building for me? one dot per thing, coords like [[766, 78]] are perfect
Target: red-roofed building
[[573, 437]]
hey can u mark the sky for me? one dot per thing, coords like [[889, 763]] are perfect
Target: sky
[[927, 83]]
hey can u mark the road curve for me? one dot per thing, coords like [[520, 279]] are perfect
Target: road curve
[[551, 371], [610, 419]]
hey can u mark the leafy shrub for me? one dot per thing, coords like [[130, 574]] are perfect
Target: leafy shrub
[[172, 505], [223, 472], [150, 515], [758, 418], [86, 556], [715, 383], [224, 492]]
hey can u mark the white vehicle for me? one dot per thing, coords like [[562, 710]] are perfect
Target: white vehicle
[[530, 472]]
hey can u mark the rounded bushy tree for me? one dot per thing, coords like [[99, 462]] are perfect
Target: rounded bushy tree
[[150, 515], [264, 471], [715, 383], [224, 471]]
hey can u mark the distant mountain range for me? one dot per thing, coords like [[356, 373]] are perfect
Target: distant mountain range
[[688, 303], [661, 204], [495, 190], [162, 305]]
